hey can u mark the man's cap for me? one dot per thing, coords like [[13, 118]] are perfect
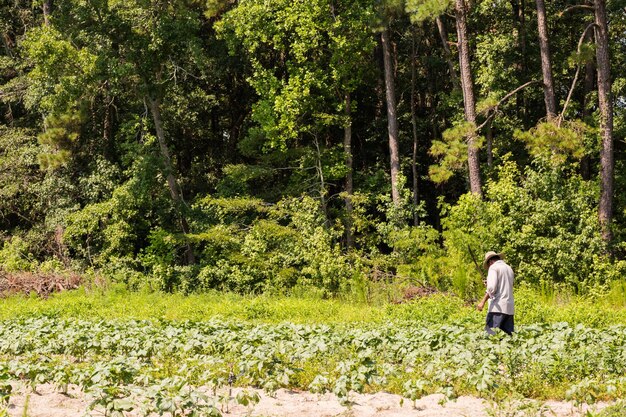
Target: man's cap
[[490, 255]]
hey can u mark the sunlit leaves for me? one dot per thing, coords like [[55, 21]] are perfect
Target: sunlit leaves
[[283, 40], [61, 71], [304, 55], [586, 54], [555, 144], [60, 136], [420, 10], [487, 104], [451, 151], [494, 68]]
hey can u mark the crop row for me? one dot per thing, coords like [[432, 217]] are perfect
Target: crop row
[[181, 366]]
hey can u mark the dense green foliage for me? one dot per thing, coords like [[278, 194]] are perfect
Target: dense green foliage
[[532, 216], [191, 146]]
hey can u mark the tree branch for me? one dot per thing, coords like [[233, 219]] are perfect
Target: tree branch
[[577, 7], [571, 90], [502, 100]]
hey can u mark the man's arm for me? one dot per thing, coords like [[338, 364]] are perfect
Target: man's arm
[[491, 284], [481, 305]]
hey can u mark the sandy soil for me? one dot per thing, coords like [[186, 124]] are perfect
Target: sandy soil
[[49, 403]]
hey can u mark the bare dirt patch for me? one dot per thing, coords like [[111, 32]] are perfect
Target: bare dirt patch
[[47, 402]]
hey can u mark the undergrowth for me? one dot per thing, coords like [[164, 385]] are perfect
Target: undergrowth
[[116, 302]]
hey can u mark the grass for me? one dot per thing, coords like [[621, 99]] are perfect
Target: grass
[[26, 404], [118, 303]]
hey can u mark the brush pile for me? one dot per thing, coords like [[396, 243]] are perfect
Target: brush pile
[[42, 284], [413, 292]]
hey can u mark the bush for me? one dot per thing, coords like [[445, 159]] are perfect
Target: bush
[[15, 256], [543, 220], [289, 244], [105, 230]]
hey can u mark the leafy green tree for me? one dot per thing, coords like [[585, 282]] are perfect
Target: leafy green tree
[[305, 64], [192, 145]]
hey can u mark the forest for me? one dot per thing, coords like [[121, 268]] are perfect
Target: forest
[[337, 148]]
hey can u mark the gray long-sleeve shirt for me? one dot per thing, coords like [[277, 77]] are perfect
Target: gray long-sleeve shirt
[[500, 288]]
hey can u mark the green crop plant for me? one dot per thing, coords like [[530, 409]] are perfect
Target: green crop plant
[[5, 392], [174, 367]]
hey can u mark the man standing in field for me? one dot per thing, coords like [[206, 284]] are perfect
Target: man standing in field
[[500, 293]]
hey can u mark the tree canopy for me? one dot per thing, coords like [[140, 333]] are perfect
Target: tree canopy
[[319, 145]]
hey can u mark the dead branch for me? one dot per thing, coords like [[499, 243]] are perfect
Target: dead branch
[[571, 90], [503, 99], [577, 7]]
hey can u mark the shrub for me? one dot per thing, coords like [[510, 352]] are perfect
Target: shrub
[[105, 230], [15, 256], [288, 244], [545, 222]]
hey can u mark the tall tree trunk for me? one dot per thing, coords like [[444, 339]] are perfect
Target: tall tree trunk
[[320, 173], [546, 64], [489, 140], [519, 7], [605, 209], [522, 32], [415, 137], [107, 123], [155, 109], [347, 148], [47, 11], [469, 101], [392, 120], [585, 169], [443, 34]]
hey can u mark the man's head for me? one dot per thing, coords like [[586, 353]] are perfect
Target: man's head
[[490, 258]]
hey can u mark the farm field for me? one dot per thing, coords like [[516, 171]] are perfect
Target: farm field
[[163, 366], [297, 208]]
